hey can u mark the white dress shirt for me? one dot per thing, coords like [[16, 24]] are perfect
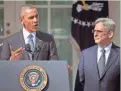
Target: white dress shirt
[[107, 52], [26, 34]]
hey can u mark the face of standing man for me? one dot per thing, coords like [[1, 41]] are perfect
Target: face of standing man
[[30, 19], [102, 35]]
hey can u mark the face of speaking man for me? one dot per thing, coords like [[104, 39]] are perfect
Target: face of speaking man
[[30, 19]]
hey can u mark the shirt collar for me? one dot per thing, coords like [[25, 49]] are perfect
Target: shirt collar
[[106, 48], [26, 33]]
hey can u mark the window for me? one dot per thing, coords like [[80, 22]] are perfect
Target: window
[[55, 18]]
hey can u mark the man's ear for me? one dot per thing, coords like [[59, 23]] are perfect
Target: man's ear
[[21, 20], [111, 34]]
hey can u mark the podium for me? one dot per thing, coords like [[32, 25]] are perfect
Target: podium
[[57, 72]]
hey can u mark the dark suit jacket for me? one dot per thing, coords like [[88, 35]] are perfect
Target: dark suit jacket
[[88, 71], [48, 49]]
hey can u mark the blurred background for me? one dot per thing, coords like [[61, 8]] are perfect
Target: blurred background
[[56, 19]]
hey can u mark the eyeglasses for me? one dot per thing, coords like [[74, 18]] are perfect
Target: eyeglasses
[[98, 31]]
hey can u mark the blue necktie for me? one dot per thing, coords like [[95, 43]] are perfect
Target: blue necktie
[[101, 63], [31, 42]]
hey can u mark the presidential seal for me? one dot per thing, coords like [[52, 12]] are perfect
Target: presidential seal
[[33, 78]]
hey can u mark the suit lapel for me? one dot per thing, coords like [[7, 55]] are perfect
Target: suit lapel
[[22, 43], [95, 60], [111, 59], [38, 43]]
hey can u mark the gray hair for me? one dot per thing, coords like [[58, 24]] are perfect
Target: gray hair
[[108, 23], [25, 7]]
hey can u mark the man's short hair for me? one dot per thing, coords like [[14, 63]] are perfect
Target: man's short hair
[[25, 7], [108, 23]]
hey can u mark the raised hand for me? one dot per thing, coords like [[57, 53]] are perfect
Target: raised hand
[[17, 54]]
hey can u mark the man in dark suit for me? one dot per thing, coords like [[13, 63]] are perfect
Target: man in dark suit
[[29, 43], [99, 67]]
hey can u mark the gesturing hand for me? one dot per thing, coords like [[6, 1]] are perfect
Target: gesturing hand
[[17, 54]]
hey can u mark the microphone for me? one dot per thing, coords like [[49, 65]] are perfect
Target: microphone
[[28, 49], [38, 48]]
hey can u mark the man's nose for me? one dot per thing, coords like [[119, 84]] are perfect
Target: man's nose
[[35, 19], [95, 34]]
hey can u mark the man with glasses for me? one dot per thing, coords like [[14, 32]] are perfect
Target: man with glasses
[[99, 67]]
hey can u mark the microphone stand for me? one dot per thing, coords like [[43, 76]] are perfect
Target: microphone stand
[[37, 49], [28, 49], [32, 53]]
